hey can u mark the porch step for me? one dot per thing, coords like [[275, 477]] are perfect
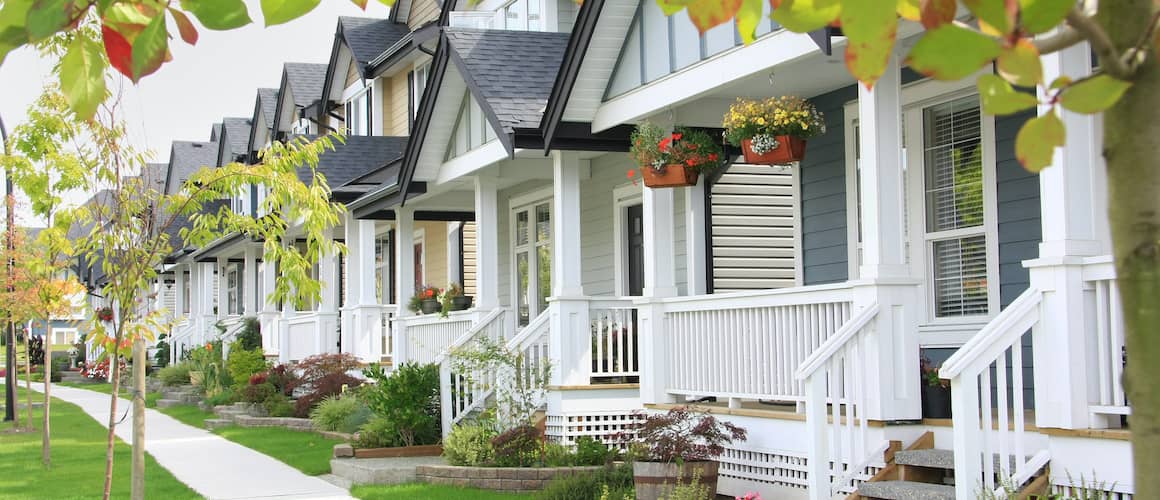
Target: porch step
[[934, 459], [170, 403], [906, 490]]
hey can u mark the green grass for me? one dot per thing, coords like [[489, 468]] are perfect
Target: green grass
[[306, 451], [426, 492], [188, 415], [78, 461], [107, 388]]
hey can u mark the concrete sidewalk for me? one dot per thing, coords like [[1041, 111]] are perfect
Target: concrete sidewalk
[[213, 466]]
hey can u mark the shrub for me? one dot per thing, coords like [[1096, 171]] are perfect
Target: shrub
[[330, 385], [558, 455], [177, 374], [314, 369], [283, 379], [469, 444], [250, 338], [340, 413], [377, 432], [589, 451], [243, 363], [409, 398], [278, 405], [518, 447], [161, 357], [223, 397], [258, 393], [685, 434], [617, 479]]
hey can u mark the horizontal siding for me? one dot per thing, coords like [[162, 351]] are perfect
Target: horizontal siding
[[1017, 193], [754, 229], [469, 261], [422, 11], [395, 106], [823, 194]]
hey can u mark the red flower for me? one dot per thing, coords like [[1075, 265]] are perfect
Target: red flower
[[631, 173], [691, 162], [664, 144], [677, 137], [712, 156], [209, 346]]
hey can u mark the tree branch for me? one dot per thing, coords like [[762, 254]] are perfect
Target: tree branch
[[1110, 60], [1062, 39]]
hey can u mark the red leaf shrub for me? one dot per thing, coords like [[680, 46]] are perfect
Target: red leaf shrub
[[313, 369], [328, 385], [685, 434], [518, 447]]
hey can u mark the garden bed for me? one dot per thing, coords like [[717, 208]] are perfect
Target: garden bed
[[505, 479], [432, 450]]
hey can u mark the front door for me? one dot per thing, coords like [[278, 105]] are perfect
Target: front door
[[418, 263], [635, 254]]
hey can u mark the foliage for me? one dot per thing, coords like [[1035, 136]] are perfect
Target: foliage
[[161, 357], [930, 374], [223, 396], [772, 116], [693, 490], [377, 432], [329, 385], [470, 444], [519, 446], [655, 147], [258, 393], [175, 374], [278, 405], [616, 478], [244, 363], [409, 399], [344, 413], [589, 451], [35, 349], [208, 361], [426, 293], [250, 337], [517, 401], [684, 434], [313, 369], [282, 377]]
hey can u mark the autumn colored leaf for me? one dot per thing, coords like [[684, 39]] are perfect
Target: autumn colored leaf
[[1093, 95], [82, 77], [362, 4], [218, 14], [909, 10], [118, 49], [936, 13], [391, 3], [46, 17], [1020, 64], [1036, 142], [1000, 98], [705, 14], [283, 11], [184, 26], [150, 48], [748, 17], [126, 20], [999, 15], [803, 16], [870, 32], [1041, 16], [951, 52], [13, 15]]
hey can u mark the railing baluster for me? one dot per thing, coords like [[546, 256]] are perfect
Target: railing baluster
[[1017, 399], [988, 452], [1001, 403], [1103, 342], [1116, 331]]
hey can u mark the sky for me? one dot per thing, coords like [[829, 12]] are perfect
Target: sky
[[218, 77]]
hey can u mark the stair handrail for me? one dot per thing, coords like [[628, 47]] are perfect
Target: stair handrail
[[468, 335], [524, 338], [991, 341], [831, 346], [450, 411]]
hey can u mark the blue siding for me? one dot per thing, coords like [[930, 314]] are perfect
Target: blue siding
[[823, 194], [1017, 193]]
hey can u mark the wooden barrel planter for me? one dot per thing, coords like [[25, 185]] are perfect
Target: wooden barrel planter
[[655, 480]]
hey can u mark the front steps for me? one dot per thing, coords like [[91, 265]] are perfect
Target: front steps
[[178, 396]]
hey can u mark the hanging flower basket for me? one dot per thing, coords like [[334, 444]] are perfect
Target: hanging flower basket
[[105, 314], [672, 159], [669, 176], [786, 149]]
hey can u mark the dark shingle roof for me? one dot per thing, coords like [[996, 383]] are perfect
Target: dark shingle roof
[[359, 155], [236, 136], [215, 133], [186, 158], [368, 37], [305, 80], [268, 99], [512, 70]]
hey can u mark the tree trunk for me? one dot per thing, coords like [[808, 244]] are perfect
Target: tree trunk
[[138, 474], [1132, 152], [114, 364], [11, 376], [46, 439]]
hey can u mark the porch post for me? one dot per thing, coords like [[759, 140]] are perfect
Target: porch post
[[486, 243], [250, 281], [454, 260], [179, 292], [268, 317], [207, 299], [327, 324], [1073, 200], [659, 282], [569, 345], [885, 276], [361, 331], [404, 277], [289, 310], [695, 216], [351, 284]]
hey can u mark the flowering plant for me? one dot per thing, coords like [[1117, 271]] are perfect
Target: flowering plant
[[763, 120], [930, 374], [428, 292], [654, 147], [105, 314]]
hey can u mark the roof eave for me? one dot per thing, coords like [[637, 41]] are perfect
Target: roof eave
[[581, 37]]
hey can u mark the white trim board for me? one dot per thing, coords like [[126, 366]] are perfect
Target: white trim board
[[623, 197]]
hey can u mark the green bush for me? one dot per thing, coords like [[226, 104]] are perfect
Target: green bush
[[177, 374], [589, 451], [278, 405], [518, 446], [243, 363], [225, 396], [409, 398], [161, 357], [558, 455], [340, 413], [258, 393], [251, 335], [470, 444], [377, 432], [617, 479]]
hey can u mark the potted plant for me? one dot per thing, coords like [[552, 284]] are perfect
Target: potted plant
[[454, 299], [936, 392], [105, 314], [672, 159], [426, 300], [773, 131], [680, 445]]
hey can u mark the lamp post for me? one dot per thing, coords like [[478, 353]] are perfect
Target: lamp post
[[10, 352]]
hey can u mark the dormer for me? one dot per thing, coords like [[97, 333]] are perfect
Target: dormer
[[301, 88], [261, 123], [352, 93]]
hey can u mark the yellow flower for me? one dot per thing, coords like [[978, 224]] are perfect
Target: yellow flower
[[760, 120]]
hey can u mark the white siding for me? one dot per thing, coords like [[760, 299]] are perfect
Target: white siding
[[754, 229]]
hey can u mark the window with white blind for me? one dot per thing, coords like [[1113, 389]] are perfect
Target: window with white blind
[[359, 106], [233, 290]]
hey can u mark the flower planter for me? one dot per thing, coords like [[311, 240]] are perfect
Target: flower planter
[[936, 401], [655, 480], [669, 176], [430, 306], [461, 303], [789, 149]]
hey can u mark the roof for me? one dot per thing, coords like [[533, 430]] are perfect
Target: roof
[[234, 139], [305, 81], [185, 159], [367, 38], [268, 100], [511, 71], [216, 132], [360, 155]]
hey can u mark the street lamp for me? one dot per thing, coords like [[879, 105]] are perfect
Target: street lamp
[[10, 352]]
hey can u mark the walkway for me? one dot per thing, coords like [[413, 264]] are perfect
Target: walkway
[[215, 467]]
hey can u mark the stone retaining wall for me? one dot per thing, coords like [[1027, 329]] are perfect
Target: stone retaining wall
[[505, 479]]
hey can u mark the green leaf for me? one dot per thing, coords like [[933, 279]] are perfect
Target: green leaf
[[1041, 16], [13, 16], [802, 16], [46, 17], [1093, 95], [705, 14], [82, 77], [388, 3], [909, 10], [748, 17], [1060, 82], [218, 14], [283, 11], [150, 48], [1036, 142], [950, 52], [1020, 65], [1000, 98], [870, 31], [997, 14]]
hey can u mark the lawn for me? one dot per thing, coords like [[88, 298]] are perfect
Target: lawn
[[78, 461], [426, 492], [188, 415], [107, 388]]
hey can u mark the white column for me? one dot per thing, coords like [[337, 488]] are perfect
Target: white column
[[268, 315], [250, 281], [1073, 200], [327, 324], [569, 346], [454, 260], [289, 310], [659, 257], [486, 243], [222, 288], [205, 291], [353, 263], [695, 225], [179, 293], [366, 263], [404, 277]]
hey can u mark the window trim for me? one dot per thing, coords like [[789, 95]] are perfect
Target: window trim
[[623, 196], [527, 201], [358, 90]]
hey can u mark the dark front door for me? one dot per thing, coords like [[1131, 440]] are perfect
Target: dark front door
[[635, 250]]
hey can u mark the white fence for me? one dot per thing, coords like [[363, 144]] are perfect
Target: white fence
[[426, 337], [1100, 275], [462, 393], [614, 334]]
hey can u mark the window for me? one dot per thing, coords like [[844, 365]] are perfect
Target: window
[[418, 82], [471, 129], [532, 244], [382, 265], [359, 110], [233, 290], [522, 15], [301, 126]]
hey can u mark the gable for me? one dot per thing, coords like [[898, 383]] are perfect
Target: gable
[[471, 129]]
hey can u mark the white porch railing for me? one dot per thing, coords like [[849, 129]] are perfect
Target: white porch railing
[[180, 339], [301, 335], [426, 337], [532, 344], [386, 343], [614, 338], [228, 332], [987, 387], [840, 449], [748, 344], [462, 393], [1100, 275]]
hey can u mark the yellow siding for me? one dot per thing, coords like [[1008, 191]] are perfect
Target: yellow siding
[[395, 106], [469, 258], [421, 12], [434, 252], [351, 75]]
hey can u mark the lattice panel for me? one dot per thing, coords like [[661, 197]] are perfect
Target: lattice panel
[[604, 427]]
